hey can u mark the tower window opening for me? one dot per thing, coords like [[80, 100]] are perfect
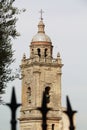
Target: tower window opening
[[45, 52], [53, 126], [29, 94], [39, 52], [47, 93], [32, 51]]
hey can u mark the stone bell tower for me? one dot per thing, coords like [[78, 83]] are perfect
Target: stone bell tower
[[41, 71]]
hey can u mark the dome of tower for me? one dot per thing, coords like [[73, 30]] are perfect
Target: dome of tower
[[41, 36]]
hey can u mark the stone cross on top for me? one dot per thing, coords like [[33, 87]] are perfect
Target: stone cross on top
[[41, 12]]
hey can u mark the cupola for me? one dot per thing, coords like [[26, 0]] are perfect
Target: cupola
[[41, 45], [41, 36]]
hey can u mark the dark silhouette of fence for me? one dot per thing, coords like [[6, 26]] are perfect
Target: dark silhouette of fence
[[70, 113], [43, 109], [13, 107]]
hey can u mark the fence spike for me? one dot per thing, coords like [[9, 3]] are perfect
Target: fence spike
[[44, 110], [13, 107], [70, 113]]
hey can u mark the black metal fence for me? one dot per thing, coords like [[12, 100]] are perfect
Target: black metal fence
[[13, 105]]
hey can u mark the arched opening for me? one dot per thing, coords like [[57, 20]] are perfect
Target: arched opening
[[53, 126], [32, 51], [45, 52], [39, 52], [29, 94], [47, 93]]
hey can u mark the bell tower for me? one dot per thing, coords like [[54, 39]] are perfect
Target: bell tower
[[41, 46], [41, 72]]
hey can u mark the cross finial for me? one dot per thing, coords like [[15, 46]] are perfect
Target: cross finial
[[41, 12]]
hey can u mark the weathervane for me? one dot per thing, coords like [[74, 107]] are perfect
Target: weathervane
[[41, 12]]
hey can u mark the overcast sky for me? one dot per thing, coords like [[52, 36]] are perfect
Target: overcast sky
[[66, 25]]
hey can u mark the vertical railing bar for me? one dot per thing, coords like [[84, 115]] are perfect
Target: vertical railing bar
[[70, 113], [44, 110], [13, 107]]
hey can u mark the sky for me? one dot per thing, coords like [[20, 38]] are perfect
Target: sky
[[66, 24]]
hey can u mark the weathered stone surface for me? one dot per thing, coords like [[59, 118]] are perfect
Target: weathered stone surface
[[40, 71]]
